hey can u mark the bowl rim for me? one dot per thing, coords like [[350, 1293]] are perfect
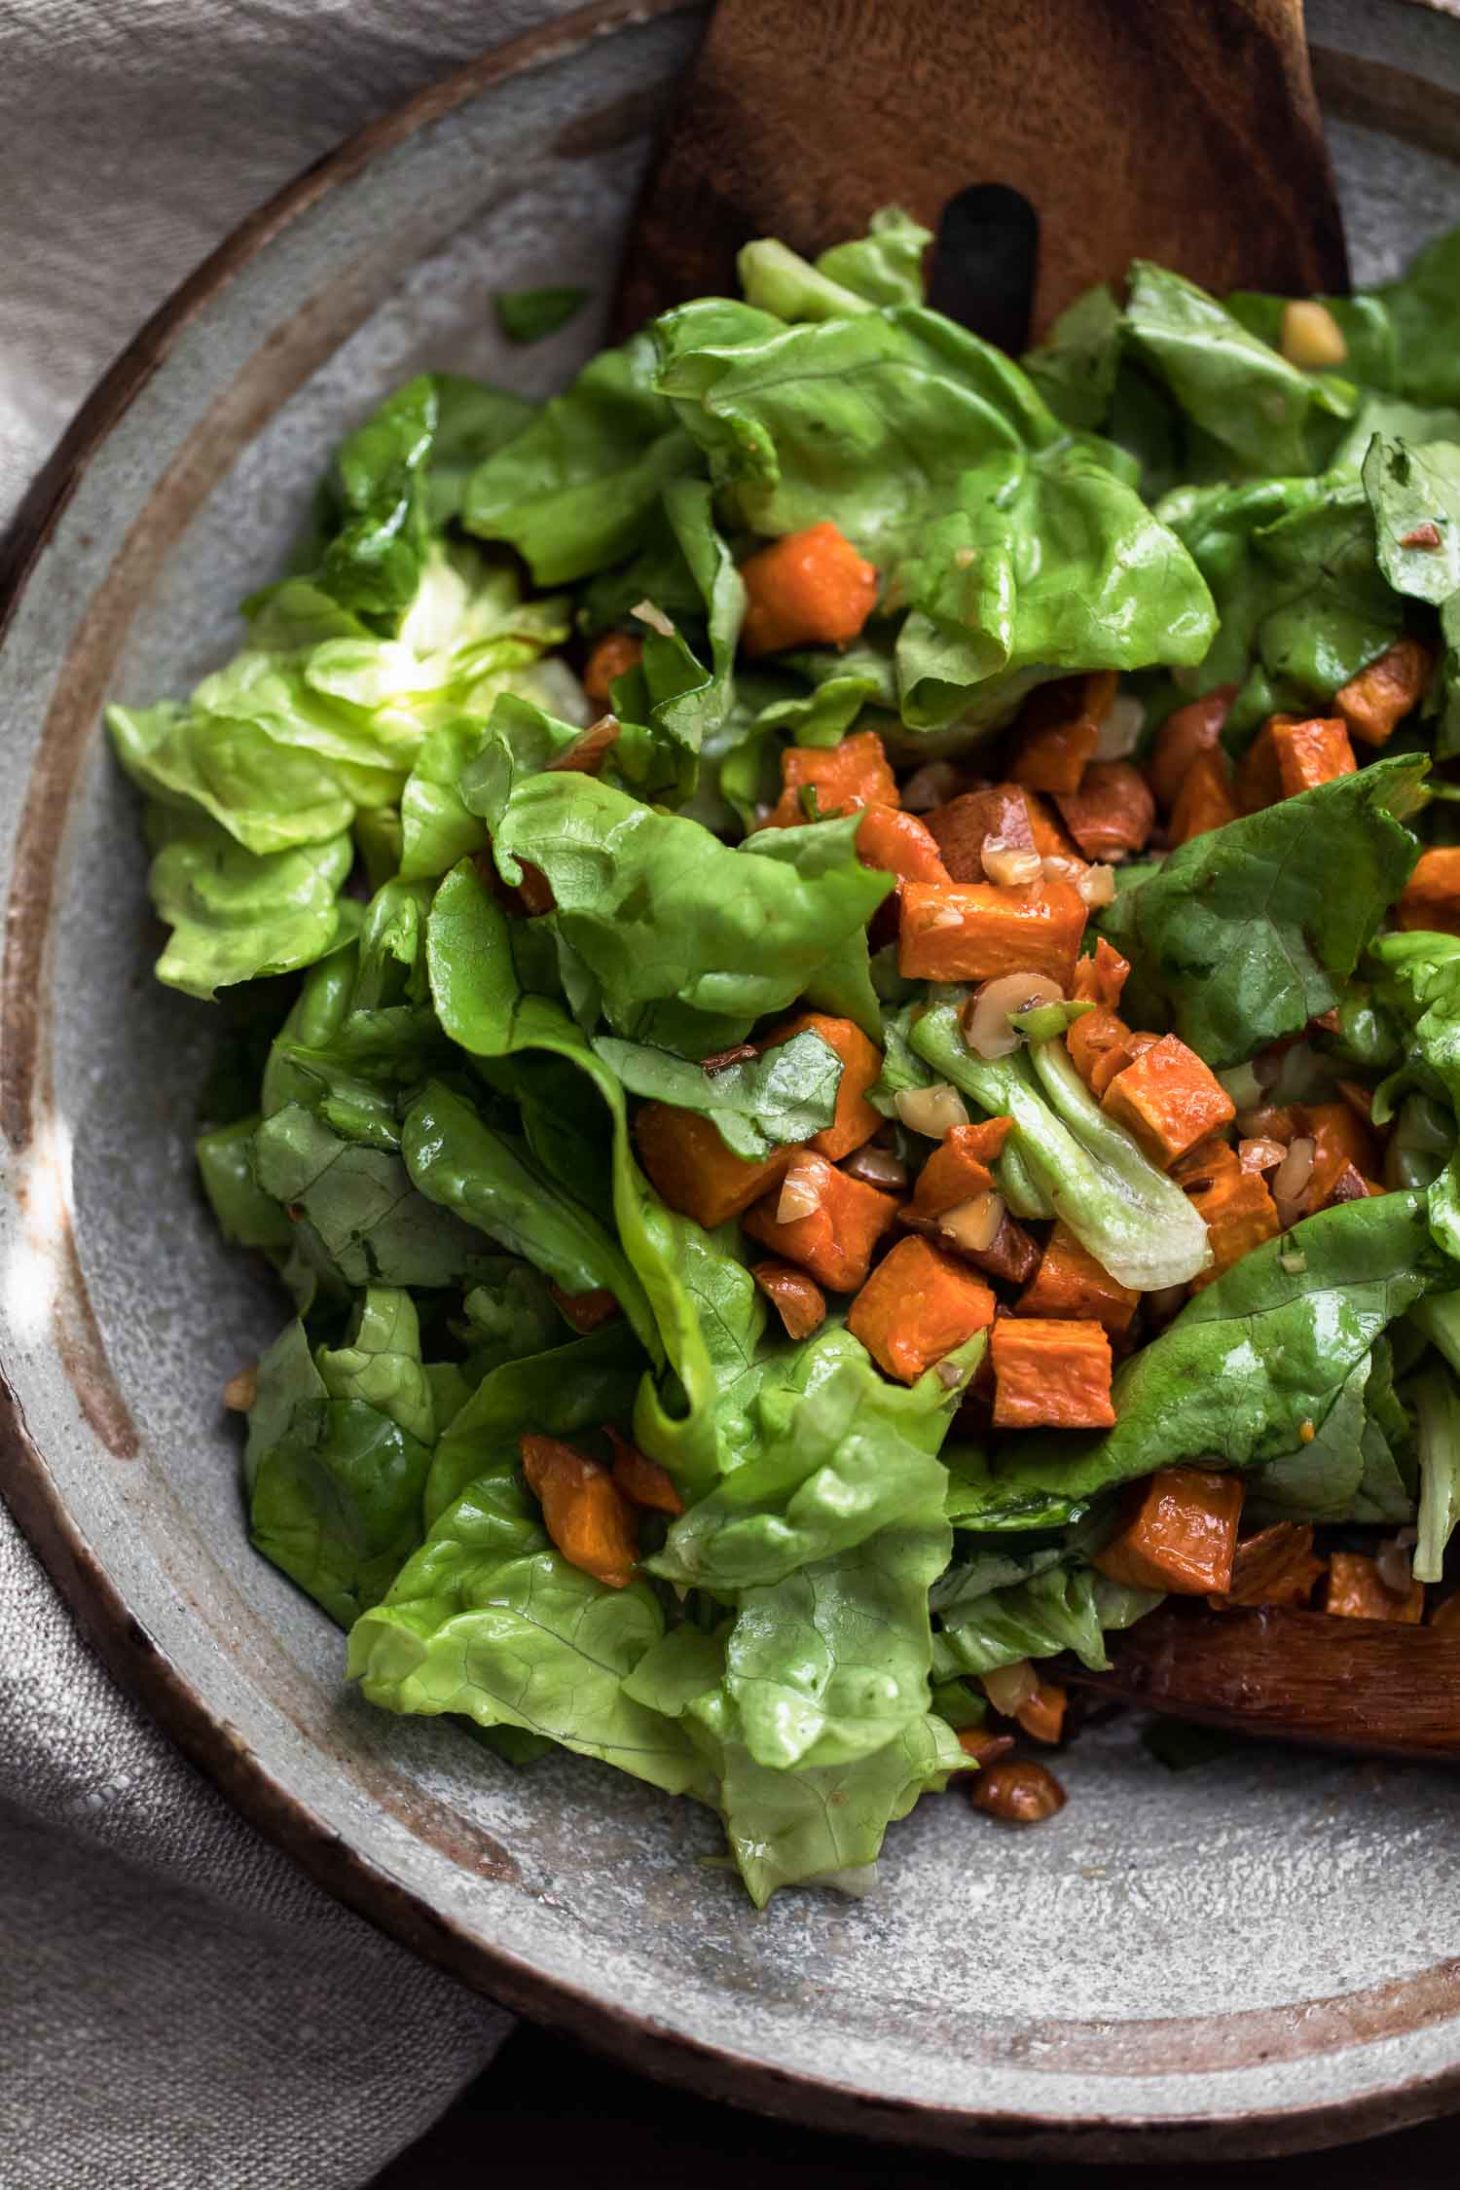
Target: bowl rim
[[154, 1680]]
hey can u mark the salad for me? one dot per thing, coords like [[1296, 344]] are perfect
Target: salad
[[841, 968]]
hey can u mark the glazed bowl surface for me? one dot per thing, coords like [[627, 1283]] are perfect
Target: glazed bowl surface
[[1260, 1956]]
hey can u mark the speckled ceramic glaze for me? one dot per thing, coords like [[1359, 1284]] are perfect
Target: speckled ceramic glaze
[[1259, 1956]]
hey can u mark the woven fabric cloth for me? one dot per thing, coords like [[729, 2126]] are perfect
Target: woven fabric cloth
[[178, 2006]]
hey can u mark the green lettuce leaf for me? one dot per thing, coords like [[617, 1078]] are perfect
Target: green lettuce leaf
[[380, 1362], [758, 1103], [237, 915], [1437, 1413], [1409, 488], [571, 1388], [530, 315], [1063, 1608], [337, 1502]]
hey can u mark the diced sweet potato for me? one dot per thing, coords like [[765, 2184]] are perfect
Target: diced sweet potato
[[1341, 1142], [643, 1482], [985, 1138], [1376, 701], [1008, 813], [1169, 1099], [855, 1121], [1432, 894], [584, 1511], [1042, 1715], [586, 1311], [916, 1307], [843, 777], [955, 1171], [1206, 799], [613, 655], [1276, 1566], [1071, 1283], [900, 844], [1239, 1213], [797, 1299], [810, 589], [1310, 753], [973, 931], [1202, 1165], [1058, 730], [1186, 732], [1051, 1375], [833, 1237], [1259, 780], [1179, 1532], [690, 1166], [1113, 812], [1100, 1036], [1356, 1590], [1114, 1061], [1100, 977]]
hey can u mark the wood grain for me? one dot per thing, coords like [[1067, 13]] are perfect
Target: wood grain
[[1370, 1686], [1183, 132]]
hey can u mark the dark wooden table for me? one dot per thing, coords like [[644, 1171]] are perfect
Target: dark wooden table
[[579, 2123]]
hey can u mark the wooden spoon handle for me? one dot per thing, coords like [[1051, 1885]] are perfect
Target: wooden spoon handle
[[1180, 130], [1370, 1686]]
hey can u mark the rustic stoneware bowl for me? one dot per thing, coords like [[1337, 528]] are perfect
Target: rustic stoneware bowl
[[1256, 1957]]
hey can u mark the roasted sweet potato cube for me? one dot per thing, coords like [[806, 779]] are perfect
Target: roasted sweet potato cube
[[1101, 1034], [1100, 976], [1432, 894], [1042, 1715], [1342, 1142], [1186, 732], [810, 589], [1178, 1532], [972, 931], [1206, 799], [1376, 701], [831, 1223], [1113, 812], [690, 1166], [855, 1121], [1276, 1566], [642, 1480], [586, 1311], [1058, 730], [797, 1299], [916, 1307], [1070, 1282], [954, 1173], [900, 844], [1356, 1590], [1310, 753], [1202, 1165], [842, 777], [962, 827], [1051, 1375], [1114, 1061], [1169, 1099], [1239, 1213], [1259, 780], [584, 1511]]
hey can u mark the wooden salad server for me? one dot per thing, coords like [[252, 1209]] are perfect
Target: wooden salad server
[[1185, 131], [1370, 1686]]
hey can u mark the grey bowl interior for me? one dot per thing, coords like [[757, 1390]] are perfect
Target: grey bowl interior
[[1259, 1956]]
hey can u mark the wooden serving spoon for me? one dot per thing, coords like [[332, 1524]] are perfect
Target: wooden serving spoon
[[1370, 1686], [1185, 131]]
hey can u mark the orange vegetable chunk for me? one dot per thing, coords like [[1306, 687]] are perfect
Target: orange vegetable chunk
[[1375, 702], [810, 589], [841, 1225], [1206, 799], [900, 844], [1342, 1141], [1356, 1590], [844, 778], [584, 1511], [1259, 780], [1070, 1282], [1100, 977], [955, 1171], [1179, 1533], [971, 931], [1239, 1213], [1113, 812], [1169, 1099], [1051, 1375], [1276, 1566], [1042, 1716], [1431, 896], [613, 655], [797, 1299], [1009, 813], [1187, 732], [855, 1121], [1310, 753], [642, 1480], [1058, 730], [691, 1168], [586, 1311], [916, 1307]]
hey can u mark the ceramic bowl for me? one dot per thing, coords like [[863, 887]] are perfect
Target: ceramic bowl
[[1254, 1957]]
